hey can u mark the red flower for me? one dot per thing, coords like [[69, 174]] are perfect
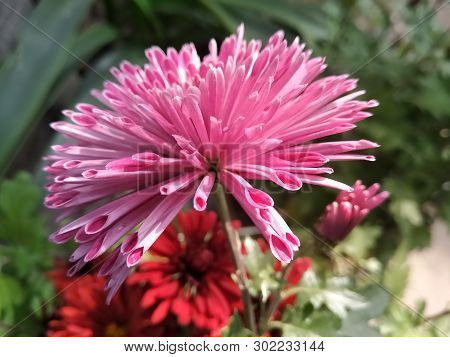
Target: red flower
[[296, 270], [189, 275], [84, 312]]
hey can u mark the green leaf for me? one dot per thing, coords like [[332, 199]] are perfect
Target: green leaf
[[434, 96], [18, 196], [291, 330], [228, 21], [332, 293], [235, 328], [356, 322], [30, 73], [306, 19], [145, 6], [359, 243], [400, 321], [408, 210], [90, 41], [11, 295], [395, 277], [296, 323], [260, 267], [19, 223], [339, 299], [25, 257], [442, 324]]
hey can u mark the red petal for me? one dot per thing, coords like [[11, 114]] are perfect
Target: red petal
[[182, 309], [299, 266], [161, 311]]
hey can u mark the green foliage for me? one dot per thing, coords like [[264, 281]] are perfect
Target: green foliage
[[397, 271], [332, 292], [401, 322], [25, 257], [235, 328], [357, 321], [301, 322], [45, 51], [260, 268], [332, 307]]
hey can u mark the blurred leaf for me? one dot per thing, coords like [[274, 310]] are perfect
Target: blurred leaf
[[11, 296], [19, 199], [357, 321], [89, 41], [306, 19], [359, 242], [442, 324], [333, 293], [25, 256], [225, 18], [31, 72], [315, 323], [396, 273], [145, 6], [235, 328], [260, 267], [434, 96], [407, 210], [291, 330], [339, 299], [401, 322]]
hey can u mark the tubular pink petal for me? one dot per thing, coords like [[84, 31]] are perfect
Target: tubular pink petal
[[288, 180], [135, 256], [60, 238], [75, 268], [203, 191], [110, 263], [94, 249], [258, 198], [323, 181], [280, 249], [293, 240], [147, 157], [129, 243], [83, 237], [178, 183], [96, 225], [265, 216], [80, 252]]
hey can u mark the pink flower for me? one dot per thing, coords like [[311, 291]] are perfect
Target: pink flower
[[349, 209], [167, 131]]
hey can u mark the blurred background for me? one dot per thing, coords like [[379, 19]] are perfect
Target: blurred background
[[399, 50]]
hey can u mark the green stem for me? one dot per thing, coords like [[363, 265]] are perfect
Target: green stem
[[233, 240], [275, 300]]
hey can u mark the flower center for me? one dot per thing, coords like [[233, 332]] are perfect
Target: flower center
[[114, 330], [199, 261]]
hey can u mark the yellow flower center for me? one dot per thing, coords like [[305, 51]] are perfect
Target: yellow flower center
[[113, 330]]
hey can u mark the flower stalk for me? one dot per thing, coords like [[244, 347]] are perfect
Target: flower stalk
[[275, 301], [233, 240]]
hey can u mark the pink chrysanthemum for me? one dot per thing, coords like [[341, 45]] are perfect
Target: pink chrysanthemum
[[349, 209], [169, 130]]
